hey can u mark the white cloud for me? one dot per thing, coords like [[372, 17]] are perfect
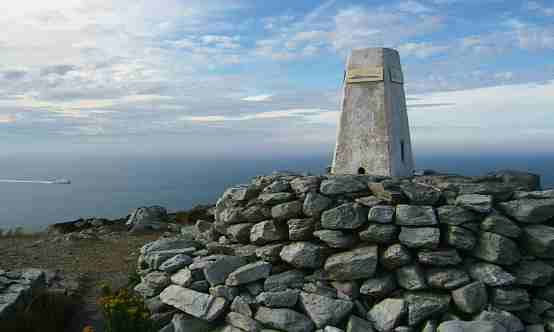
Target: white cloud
[[413, 7], [258, 98], [421, 50]]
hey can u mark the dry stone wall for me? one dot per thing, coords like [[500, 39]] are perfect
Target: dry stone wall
[[362, 253]]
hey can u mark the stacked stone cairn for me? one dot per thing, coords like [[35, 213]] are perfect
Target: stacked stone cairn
[[362, 253]]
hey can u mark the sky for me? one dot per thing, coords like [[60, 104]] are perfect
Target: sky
[[225, 77]]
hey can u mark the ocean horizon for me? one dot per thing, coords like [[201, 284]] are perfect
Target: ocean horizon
[[111, 187]]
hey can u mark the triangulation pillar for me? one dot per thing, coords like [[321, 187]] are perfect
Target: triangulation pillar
[[373, 133]]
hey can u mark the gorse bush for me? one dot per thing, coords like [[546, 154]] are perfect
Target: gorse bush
[[124, 312]]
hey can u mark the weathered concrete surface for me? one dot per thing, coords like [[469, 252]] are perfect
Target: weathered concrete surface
[[373, 127]]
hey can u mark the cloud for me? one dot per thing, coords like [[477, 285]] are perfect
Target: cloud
[[421, 50], [258, 98], [413, 7], [13, 74]]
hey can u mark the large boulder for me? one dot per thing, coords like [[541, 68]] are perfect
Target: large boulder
[[471, 298], [343, 184], [490, 274], [475, 202], [147, 218], [315, 204], [414, 215], [421, 237], [496, 249], [323, 310], [422, 305], [474, 326], [387, 314], [268, 231], [199, 305], [284, 320], [248, 273], [345, 216], [350, 265], [216, 272], [538, 240], [303, 255], [531, 211]]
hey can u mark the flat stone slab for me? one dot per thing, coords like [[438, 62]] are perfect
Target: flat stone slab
[[199, 305]]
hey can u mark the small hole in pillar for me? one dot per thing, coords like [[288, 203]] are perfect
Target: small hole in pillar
[[402, 154], [361, 170]]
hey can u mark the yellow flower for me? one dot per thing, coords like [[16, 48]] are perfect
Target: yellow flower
[[88, 329]]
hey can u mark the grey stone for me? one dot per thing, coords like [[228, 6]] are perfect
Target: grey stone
[[539, 194], [255, 213], [275, 198], [380, 233], [182, 278], [447, 278], [284, 319], [421, 237], [204, 231], [535, 328], [350, 265], [379, 287], [279, 299], [335, 239], [242, 322], [199, 305], [248, 273], [404, 329], [506, 319], [268, 231], [415, 215], [247, 251], [147, 218], [475, 202], [460, 238], [430, 326], [456, 215], [157, 280], [471, 298], [305, 184], [532, 211], [347, 290], [241, 192], [387, 190], [303, 255], [283, 281], [345, 216], [532, 273], [496, 249], [175, 263], [200, 286], [421, 194], [254, 288], [439, 257], [228, 293], [369, 201], [538, 240], [411, 277], [356, 324], [287, 211], [396, 256], [242, 306], [475, 326], [490, 274], [338, 185], [387, 314], [186, 323], [422, 305], [510, 298], [276, 186], [320, 288], [217, 272], [497, 223], [315, 204], [323, 310], [169, 243], [332, 329], [230, 215], [239, 232], [301, 229], [270, 252], [155, 258], [383, 214]]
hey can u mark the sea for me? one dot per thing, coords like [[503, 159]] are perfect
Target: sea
[[112, 186]]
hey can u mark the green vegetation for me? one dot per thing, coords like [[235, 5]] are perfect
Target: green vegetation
[[124, 312]]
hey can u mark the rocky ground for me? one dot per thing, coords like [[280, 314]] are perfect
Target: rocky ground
[[89, 260]]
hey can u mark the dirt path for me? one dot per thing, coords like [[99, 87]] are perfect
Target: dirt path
[[91, 262]]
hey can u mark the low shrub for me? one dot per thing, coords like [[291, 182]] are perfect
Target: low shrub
[[124, 312]]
